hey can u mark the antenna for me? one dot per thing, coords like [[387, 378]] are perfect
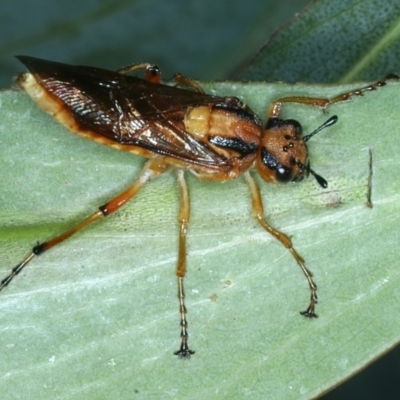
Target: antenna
[[332, 120]]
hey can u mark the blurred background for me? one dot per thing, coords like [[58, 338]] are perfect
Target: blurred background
[[206, 40]]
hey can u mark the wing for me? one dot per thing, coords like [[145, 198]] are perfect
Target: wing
[[126, 109]]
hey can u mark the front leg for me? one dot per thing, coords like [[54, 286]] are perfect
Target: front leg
[[275, 107], [258, 212]]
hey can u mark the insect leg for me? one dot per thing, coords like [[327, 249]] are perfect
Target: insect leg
[[258, 212], [184, 81], [323, 103], [152, 72], [184, 215], [150, 170]]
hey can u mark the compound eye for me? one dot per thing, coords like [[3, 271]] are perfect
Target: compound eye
[[284, 174], [271, 170]]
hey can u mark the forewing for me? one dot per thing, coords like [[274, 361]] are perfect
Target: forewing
[[126, 109]]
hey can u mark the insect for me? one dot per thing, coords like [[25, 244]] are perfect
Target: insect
[[176, 127]]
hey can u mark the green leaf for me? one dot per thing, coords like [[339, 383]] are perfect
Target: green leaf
[[332, 41], [97, 317]]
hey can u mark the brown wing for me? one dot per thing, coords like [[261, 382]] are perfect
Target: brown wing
[[126, 109]]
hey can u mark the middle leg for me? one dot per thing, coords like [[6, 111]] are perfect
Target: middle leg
[[183, 219]]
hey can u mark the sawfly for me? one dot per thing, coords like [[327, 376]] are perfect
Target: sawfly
[[176, 127]]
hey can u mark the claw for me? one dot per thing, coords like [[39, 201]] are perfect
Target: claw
[[184, 353], [309, 313]]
